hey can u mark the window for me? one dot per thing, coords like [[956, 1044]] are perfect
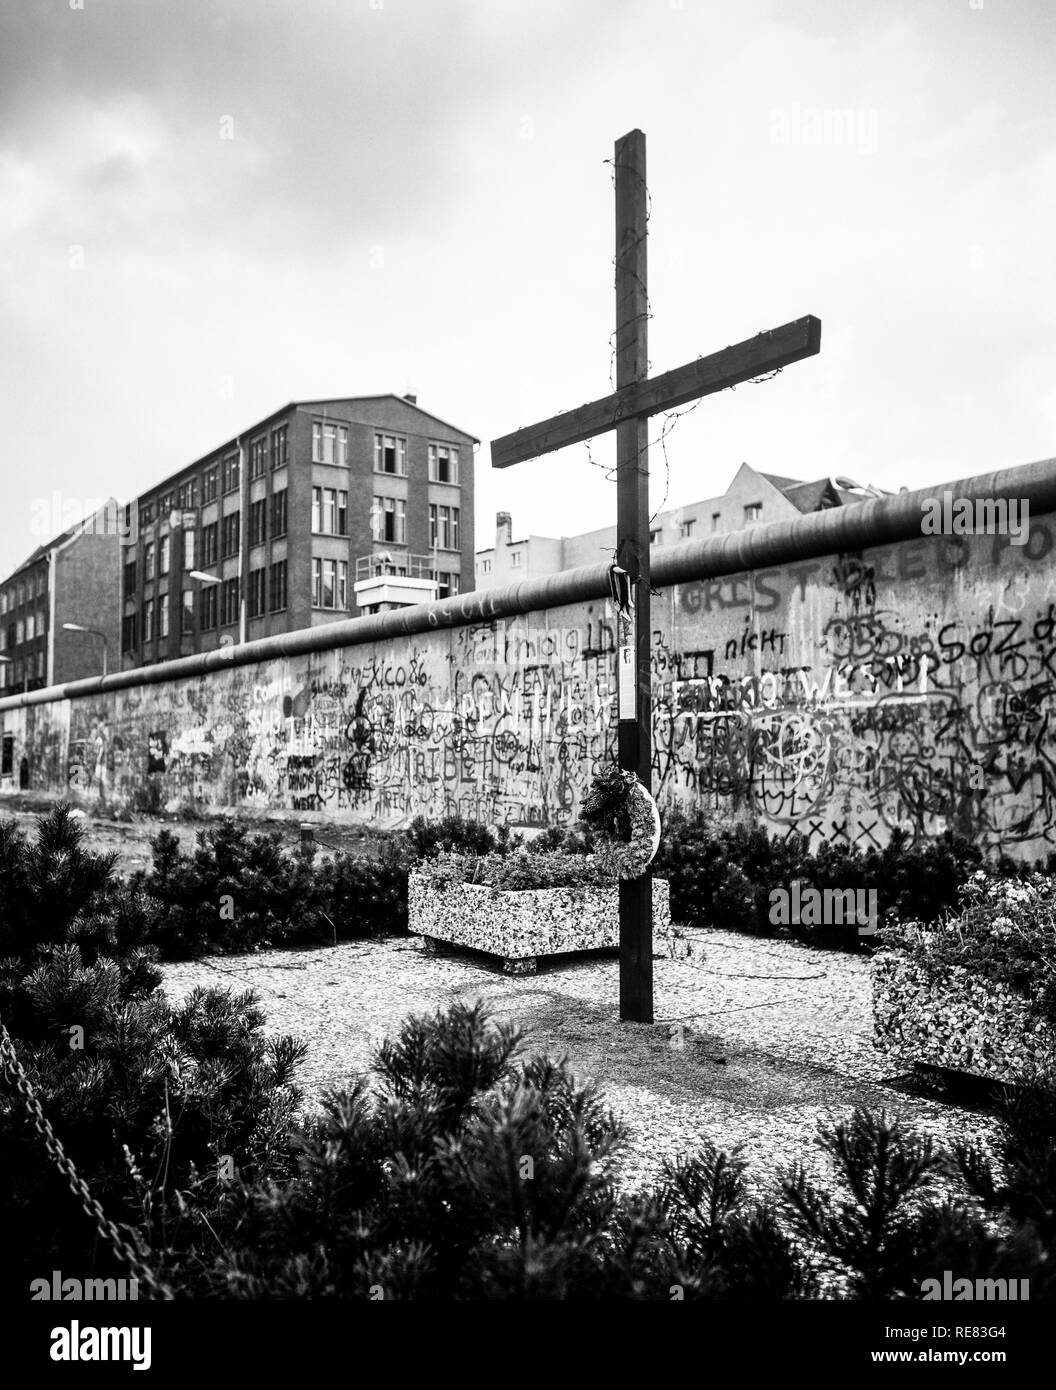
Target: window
[[21, 595], [163, 615], [257, 595], [389, 520], [3, 643], [686, 529], [187, 611], [40, 665], [148, 561], [443, 463], [208, 601], [278, 515], [656, 536], [146, 515], [186, 496], [716, 520], [210, 536], [229, 535], [278, 448], [129, 632], [232, 473], [228, 602], [753, 511], [258, 454], [41, 576], [443, 527], [448, 583], [31, 626], [390, 454], [329, 511], [515, 559], [485, 566], [329, 443], [3, 602], [40, 622], [258, 519], [165, 504], [20, 631], [148, 620], [211, 484], [163, 555], [130, 578], [188, 549], [329, 583], [278, 586]]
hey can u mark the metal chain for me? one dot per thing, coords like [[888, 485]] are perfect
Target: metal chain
[[15, 1074]]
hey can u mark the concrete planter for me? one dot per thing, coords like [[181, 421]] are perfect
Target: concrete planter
[[957, 1020], [520, 926]]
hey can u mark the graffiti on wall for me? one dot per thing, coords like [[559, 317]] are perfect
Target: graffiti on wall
[[907, 688]]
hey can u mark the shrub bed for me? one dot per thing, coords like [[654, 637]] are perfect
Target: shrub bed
[[461, 1169], [724, 876], [976, 992]]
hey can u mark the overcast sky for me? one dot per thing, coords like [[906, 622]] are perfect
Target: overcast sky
[[210, 208]]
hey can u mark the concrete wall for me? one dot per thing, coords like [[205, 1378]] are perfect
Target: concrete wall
[[909, 685]]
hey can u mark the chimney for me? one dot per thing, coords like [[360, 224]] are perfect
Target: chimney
[[503, 529], [413, 399]]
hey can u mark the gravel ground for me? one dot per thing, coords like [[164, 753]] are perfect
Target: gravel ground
[[756, 1041]]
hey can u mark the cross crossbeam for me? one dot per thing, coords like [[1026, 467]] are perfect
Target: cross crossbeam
[[731, 366], [627, 411]]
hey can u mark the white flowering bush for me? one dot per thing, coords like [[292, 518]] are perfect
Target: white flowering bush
[[1004, 932]]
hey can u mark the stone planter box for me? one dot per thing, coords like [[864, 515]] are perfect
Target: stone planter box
[[957, 1021], [522, 925]]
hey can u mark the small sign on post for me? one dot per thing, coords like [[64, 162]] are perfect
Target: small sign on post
[[627, 684]]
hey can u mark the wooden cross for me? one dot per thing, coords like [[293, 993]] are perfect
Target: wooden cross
[[627, 410]]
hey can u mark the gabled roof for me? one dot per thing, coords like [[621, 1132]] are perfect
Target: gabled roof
[[781, 483], [43, 550]]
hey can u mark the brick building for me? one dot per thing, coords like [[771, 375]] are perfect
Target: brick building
[[274, 530], [71, 579]]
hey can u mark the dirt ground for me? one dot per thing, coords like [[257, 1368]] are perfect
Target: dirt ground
[[130, 836]]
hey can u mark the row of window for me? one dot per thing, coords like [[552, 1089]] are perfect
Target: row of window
[[32, 668], [388, 522], [222, 477], [24, 630], [25, 589], [329, 445], [218, 606], [220, 540]]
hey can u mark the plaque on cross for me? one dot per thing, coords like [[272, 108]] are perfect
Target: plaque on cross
[[627, 410]]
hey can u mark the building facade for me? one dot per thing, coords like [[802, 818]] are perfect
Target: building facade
[[73, 579], [751, 498], [273, 530]]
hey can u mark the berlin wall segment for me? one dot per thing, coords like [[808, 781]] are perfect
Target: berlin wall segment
[[906, 686]]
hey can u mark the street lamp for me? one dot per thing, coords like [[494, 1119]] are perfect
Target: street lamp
[[78, 627], [215, 579]]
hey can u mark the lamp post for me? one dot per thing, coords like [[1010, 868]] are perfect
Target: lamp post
[[215, 579], [78, 627]]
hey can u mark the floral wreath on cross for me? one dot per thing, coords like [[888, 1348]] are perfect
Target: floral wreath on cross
[[624, 817]]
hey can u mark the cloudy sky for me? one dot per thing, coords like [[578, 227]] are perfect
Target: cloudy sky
[[213, 207]]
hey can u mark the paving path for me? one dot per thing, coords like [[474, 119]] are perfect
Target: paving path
[[756, 1041]]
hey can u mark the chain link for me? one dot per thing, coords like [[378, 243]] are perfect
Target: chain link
[[14, 1072]]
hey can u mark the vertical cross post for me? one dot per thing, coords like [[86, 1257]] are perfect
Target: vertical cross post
[[632, 554]]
